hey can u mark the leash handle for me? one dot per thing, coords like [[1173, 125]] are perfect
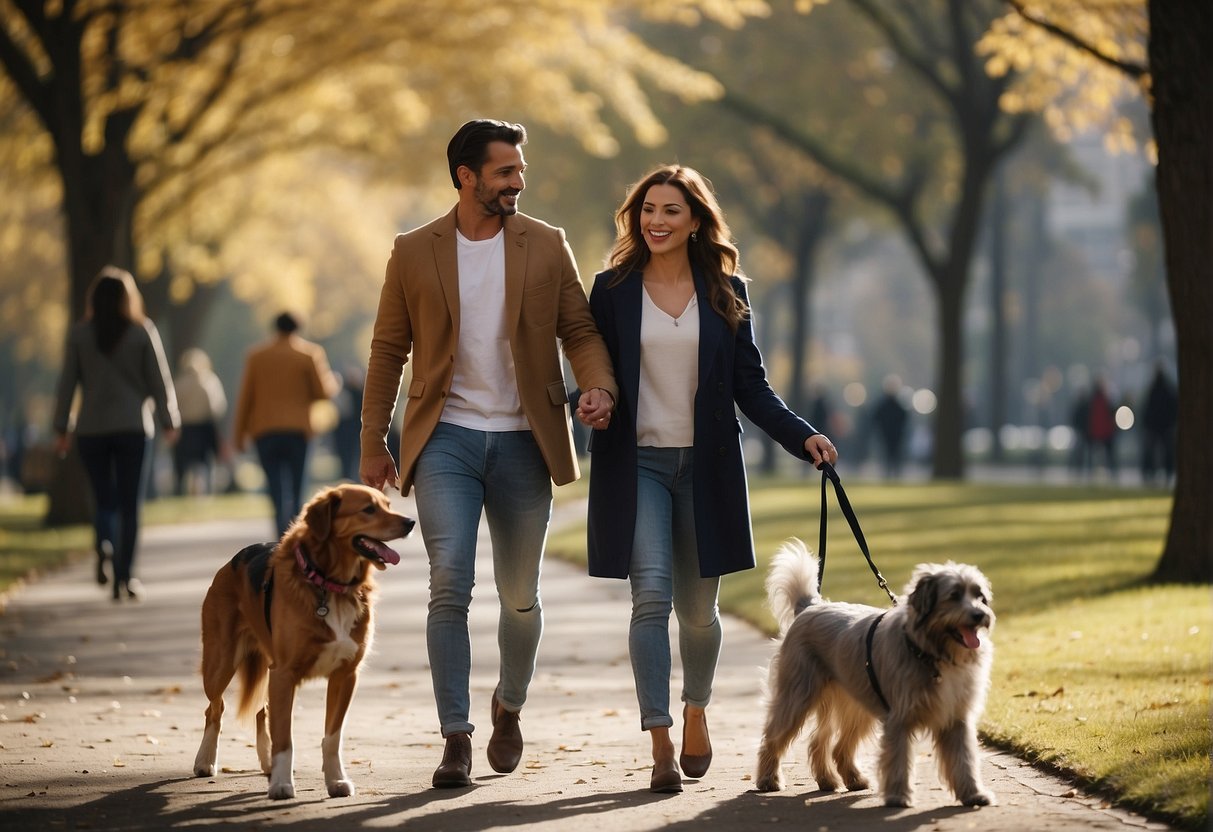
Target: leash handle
[[828, 473]]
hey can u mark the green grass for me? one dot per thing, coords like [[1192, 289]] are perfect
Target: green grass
[[1097, 675]]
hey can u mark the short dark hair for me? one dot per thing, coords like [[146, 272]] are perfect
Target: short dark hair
[[286, 323], [469, 145]]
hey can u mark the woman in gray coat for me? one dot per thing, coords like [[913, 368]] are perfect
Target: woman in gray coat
[[115, 357]]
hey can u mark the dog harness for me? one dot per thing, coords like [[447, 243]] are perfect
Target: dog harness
[[926, 658], [869, 666]]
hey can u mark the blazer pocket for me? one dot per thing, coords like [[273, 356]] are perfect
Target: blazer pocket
[[557, 393], [416, 388]]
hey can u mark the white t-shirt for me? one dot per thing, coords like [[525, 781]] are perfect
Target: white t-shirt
[[669, 376], [484, 390]]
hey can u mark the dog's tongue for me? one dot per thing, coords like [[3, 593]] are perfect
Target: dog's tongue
[[970, 637], [386, 553]]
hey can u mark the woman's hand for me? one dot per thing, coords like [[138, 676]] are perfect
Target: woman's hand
[[594, 408], [821, 449]]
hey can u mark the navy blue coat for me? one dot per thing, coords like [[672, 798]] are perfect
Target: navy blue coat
[[730, 373]]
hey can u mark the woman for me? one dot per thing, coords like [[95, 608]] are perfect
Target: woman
[[202, 402], [668, 505], [115, 357]]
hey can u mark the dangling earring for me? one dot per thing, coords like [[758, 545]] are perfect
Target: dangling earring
[[694, 236]]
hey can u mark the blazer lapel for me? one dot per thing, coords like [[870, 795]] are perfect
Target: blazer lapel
[[515, 270], [629, 303], [446, 258], [712, 328]]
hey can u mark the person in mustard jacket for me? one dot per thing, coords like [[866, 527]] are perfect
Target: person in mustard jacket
[[482, 301], [282, 379], [668, 504]]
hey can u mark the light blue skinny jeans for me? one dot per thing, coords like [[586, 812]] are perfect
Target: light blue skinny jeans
[[460, 473], [664, 575]]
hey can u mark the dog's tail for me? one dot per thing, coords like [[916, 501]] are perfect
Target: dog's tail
[[791, 582], [254, 681]]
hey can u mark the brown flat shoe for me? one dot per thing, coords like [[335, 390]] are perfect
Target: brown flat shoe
[[455, 770], [695, 765], [505, 746], [666, 779]]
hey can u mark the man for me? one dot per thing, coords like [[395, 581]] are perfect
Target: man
[[483, 299], [282, 379]]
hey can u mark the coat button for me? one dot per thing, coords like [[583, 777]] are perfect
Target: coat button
[[719, 415], [720, 387], [720, 451]]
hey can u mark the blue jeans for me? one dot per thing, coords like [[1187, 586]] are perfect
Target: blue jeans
[[664, 575], [117, 470], [284, 459], [460, 473]]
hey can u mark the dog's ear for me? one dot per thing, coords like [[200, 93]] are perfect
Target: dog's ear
[[320, 515], [924, 592]]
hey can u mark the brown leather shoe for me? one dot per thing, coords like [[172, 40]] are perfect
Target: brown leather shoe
[[666, 779], [455, 771], [695, 765], [505, 746]]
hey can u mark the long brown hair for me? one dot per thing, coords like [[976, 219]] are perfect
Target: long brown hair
[[113, 304], [712, 251]]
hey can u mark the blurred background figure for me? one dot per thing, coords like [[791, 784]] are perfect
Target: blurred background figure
[[1101, 425], [889, 418], [1160, 412], [114, 356], [283, 378], [1080, 451], [203, 403], [347, 435]]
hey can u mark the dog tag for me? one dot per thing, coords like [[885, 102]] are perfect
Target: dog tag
[[322, 610]]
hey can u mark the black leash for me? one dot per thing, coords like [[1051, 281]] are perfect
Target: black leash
[[828, 473]]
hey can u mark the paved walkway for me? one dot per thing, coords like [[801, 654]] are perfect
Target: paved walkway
[[101, 715]]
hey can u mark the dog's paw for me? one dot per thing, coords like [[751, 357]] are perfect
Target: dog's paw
[[857, 783], [898, 801], [204, 770], [978, 798], [282, 791], [341, 788], [770, 783]]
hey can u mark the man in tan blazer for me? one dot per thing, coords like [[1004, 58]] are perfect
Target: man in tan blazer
[[482, 301]]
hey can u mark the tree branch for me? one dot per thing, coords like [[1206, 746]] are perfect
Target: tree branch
[[1134, 71]]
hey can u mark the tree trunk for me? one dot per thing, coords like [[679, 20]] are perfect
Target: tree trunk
[[947, 458], [1180, 34]]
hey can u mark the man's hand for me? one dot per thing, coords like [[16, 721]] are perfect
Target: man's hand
[[379, 471], [594, 408]]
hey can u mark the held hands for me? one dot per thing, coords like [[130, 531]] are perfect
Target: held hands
[[821, 449], [379, 471], [594, 408]]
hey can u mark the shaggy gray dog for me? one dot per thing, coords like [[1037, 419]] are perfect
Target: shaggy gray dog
[[922, 666]]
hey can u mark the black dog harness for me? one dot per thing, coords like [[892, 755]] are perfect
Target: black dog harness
[[926, 658], [868, 663]]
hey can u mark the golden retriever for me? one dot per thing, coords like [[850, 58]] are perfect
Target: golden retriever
[[302, 608]]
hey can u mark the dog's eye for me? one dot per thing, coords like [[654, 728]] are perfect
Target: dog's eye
[[369, 510], [954, 595]]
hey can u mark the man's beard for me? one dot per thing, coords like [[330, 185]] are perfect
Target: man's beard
[[492, 202]]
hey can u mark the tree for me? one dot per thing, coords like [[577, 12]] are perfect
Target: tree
[[1175, 72], [937, 198], [149, 106]]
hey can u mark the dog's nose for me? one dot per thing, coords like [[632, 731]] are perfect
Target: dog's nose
[[409, 522]]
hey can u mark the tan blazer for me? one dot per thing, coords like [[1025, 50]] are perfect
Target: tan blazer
[[418, 319], [282, 378]]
